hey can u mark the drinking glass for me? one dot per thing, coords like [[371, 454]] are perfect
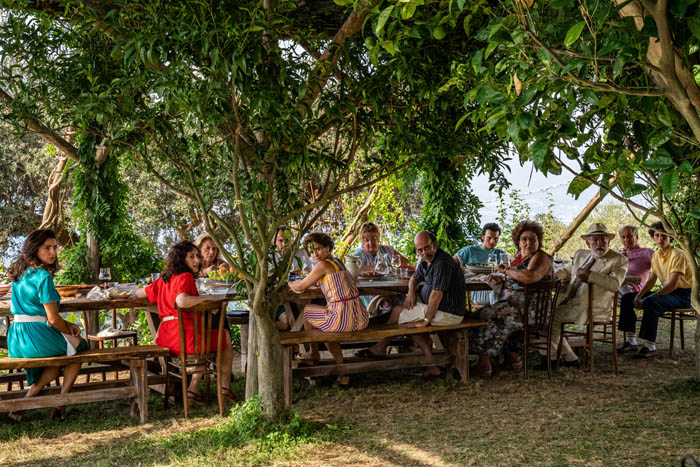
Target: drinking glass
[[105, 275], [381, 266], [396, 262], [493, 261]]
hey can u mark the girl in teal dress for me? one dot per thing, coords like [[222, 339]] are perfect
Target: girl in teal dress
[[37, 329]]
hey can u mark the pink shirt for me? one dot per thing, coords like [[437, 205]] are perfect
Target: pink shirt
[[639, 264]]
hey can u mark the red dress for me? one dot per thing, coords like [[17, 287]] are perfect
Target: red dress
[[164, 294]]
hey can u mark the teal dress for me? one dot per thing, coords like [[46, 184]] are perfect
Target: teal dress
[[35, 339]]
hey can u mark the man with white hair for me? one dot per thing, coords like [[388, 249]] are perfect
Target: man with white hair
[[598, 267], [639, 258]]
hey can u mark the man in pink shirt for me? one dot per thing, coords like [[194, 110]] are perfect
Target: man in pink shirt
[[639, 258]]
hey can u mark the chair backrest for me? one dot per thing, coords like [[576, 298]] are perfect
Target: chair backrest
[[202, 320], [540, 299]]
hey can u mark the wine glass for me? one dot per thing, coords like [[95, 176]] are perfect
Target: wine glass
[[396, 262], [105, 275]]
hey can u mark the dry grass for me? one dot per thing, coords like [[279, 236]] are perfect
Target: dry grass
[[649, 415]]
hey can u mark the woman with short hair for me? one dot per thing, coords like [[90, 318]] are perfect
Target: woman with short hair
[[37, 329], [530, 265], [211, 256]]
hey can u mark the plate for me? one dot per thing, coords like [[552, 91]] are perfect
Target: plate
[[371, 276], [474, 269]]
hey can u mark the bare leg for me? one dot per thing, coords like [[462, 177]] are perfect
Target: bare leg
[[425, 345], [312, 354], [379, 349], [70, 374], [49, 374], [226, 362]]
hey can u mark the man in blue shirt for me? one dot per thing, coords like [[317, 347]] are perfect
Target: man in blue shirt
[[490, 234]]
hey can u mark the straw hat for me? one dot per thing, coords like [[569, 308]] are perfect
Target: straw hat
[[201, 237], [598, 229]]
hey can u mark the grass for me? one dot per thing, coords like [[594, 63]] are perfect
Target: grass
[[649, 415]]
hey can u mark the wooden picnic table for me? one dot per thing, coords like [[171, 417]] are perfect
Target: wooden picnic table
[[385, 287]]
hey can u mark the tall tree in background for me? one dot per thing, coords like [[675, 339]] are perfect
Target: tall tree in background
[[255, 112], [604, 89]]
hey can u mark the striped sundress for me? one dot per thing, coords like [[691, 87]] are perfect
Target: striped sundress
[[344, 311]]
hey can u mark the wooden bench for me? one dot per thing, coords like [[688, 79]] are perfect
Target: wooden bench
[[454, 339], [136, 388]]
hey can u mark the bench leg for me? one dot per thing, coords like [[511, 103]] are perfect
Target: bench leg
[[287, 375], [673, 332], [463, 354], [139, 378]]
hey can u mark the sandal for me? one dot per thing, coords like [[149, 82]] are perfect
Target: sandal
[[195, 398], [226, 392], [16, 416], [366, 353], [303, 360], [343, 381]]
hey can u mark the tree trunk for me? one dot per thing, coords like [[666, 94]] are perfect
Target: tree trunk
[[578, 220], [270, 370], [93, 264], [251, 381]]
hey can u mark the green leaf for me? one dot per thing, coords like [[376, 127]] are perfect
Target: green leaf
[[460, 4], [659, 137], [408, 10], [439, 32], [695, 212], [383, 18], [486, 94], [658, 163], [573, 33], [560, 3], [525, 120], [460, 121], [538, 153], [634, 190], [686, 168], [577, 186], [669, 182], [694, 26]]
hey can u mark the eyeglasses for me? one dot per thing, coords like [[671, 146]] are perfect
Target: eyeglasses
[[426, 248], [528, 239]]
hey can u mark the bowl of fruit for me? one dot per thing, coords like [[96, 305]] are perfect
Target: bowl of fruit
[[224, 275]]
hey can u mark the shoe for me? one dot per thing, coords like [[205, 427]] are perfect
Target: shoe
[[343, 381], [512, 362], [645, 352], [194, 398], [480, 371], [432, 376], [572, 364], [226, 392], [304, 360], [542, 366], [628, 348], [16, 416], [58, 414]]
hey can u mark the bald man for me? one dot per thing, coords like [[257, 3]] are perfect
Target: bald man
[[442, 299]]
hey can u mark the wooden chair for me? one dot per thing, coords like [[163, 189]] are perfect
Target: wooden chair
[[540, 299], [183, 364], [590, 333], [680, 315]]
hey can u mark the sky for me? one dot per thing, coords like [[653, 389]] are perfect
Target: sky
[[533, 189]]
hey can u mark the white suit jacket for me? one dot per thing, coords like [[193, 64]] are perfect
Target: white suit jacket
[[606, 277]]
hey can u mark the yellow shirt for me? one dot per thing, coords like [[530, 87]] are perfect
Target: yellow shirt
[[663, 264]]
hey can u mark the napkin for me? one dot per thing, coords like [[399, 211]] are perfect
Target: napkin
[[97, 294]]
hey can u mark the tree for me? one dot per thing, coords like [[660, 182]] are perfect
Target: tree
[[256, 112], [606, 93]]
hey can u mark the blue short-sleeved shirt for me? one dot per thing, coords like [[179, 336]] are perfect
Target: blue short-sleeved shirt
[[477, 254]]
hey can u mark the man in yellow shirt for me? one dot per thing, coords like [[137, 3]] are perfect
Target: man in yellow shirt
[[670, 266]]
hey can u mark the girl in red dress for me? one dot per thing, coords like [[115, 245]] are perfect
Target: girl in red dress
[[176, 286]]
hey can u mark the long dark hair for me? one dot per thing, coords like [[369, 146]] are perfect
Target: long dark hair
[[175, 264], [28, 258]]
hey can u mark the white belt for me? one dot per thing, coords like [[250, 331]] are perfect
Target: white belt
[[168, 318], [28, 319]]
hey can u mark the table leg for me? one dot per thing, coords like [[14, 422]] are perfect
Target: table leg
[[287, 375]]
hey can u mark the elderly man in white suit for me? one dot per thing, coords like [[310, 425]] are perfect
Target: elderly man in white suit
[[598, 266]]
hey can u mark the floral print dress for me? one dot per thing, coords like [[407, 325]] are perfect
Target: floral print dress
[[503, 317]]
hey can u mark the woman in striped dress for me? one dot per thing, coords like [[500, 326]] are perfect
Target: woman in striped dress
[[344, 310]]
